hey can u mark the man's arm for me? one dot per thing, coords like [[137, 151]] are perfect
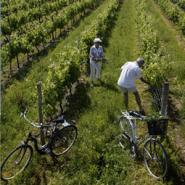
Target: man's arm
[[144, 81], [91, 54], [101, 55], [139, 76]]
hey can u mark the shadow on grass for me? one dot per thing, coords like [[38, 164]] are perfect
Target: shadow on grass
[[78, 101], [109, 86], [106, 85], [173, 112], [175, 173]]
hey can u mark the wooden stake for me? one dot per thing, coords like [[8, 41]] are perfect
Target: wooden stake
[[164, 99], [39, 90]]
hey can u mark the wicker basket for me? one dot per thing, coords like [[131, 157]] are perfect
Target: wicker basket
[[157, 127]]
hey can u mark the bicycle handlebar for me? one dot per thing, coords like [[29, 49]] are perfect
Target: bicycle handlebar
[[137, 115], [23, 114], [133, 115], [40, 125]]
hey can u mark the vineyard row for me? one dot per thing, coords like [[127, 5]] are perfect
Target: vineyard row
[[14, 21], [40, 34], [180, 3], [174, 13], [67, 68], [157, 65]]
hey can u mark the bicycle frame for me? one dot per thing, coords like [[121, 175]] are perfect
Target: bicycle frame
[[44, 149], [132, 123], [153, 151], [31, 138], [57, 144]]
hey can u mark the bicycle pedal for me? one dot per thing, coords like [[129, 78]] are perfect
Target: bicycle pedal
[[47, 150]]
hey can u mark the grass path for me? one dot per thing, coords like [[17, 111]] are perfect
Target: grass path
[[171, 26], [97, 156]]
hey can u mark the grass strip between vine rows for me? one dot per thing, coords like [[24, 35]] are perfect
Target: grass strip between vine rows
[[174, 13]]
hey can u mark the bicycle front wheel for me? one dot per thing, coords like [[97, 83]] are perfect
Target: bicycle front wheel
[[155, 158], [16, 162], [63, 140], [125, 143], [125, 127]]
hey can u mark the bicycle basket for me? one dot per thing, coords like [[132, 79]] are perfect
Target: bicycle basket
[[157, 127]]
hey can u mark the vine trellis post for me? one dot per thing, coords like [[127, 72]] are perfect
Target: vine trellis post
[[40, 115], [164, 99]]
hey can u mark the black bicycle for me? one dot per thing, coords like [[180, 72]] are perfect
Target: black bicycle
[[59, 136]]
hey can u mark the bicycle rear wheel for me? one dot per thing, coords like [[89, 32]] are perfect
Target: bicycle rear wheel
[[155, 158], [16, 162], [63, 140]]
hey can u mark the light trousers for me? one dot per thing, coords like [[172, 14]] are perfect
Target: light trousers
[[95, 70]]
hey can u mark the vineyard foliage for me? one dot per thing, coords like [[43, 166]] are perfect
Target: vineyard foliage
[[23, 92], [173, 12], [157, 68], [96, 158], [180, 3], [67, 71], [24, 33]]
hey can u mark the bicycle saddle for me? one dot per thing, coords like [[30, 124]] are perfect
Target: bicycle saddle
[[135, 114], [60, 119]]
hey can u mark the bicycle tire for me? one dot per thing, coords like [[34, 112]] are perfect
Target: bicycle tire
[[16, 162], [155, 158], [125, 126], [63, 140]]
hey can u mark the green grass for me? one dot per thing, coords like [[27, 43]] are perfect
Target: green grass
[[25, 88], [96, 157]]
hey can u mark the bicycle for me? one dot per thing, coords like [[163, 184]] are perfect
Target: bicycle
[[59, 135], [155, 156]]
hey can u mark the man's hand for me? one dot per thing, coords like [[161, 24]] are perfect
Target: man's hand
[[144, 81], [98, 60]]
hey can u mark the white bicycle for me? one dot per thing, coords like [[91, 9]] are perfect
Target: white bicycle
[[155, 156]]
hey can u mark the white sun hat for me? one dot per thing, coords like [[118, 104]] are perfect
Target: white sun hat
[[97, 40]]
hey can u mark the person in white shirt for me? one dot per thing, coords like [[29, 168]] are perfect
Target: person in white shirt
[[96, 55], [126, 82]]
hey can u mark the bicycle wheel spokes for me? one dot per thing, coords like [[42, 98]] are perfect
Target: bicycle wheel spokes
[[16, 162], [125, 126], [155, 158], [124, 141], [63, 140]]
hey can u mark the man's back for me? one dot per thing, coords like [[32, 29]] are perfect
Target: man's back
[[130, 72]]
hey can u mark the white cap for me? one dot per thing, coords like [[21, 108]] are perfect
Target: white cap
[[97, 40]]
